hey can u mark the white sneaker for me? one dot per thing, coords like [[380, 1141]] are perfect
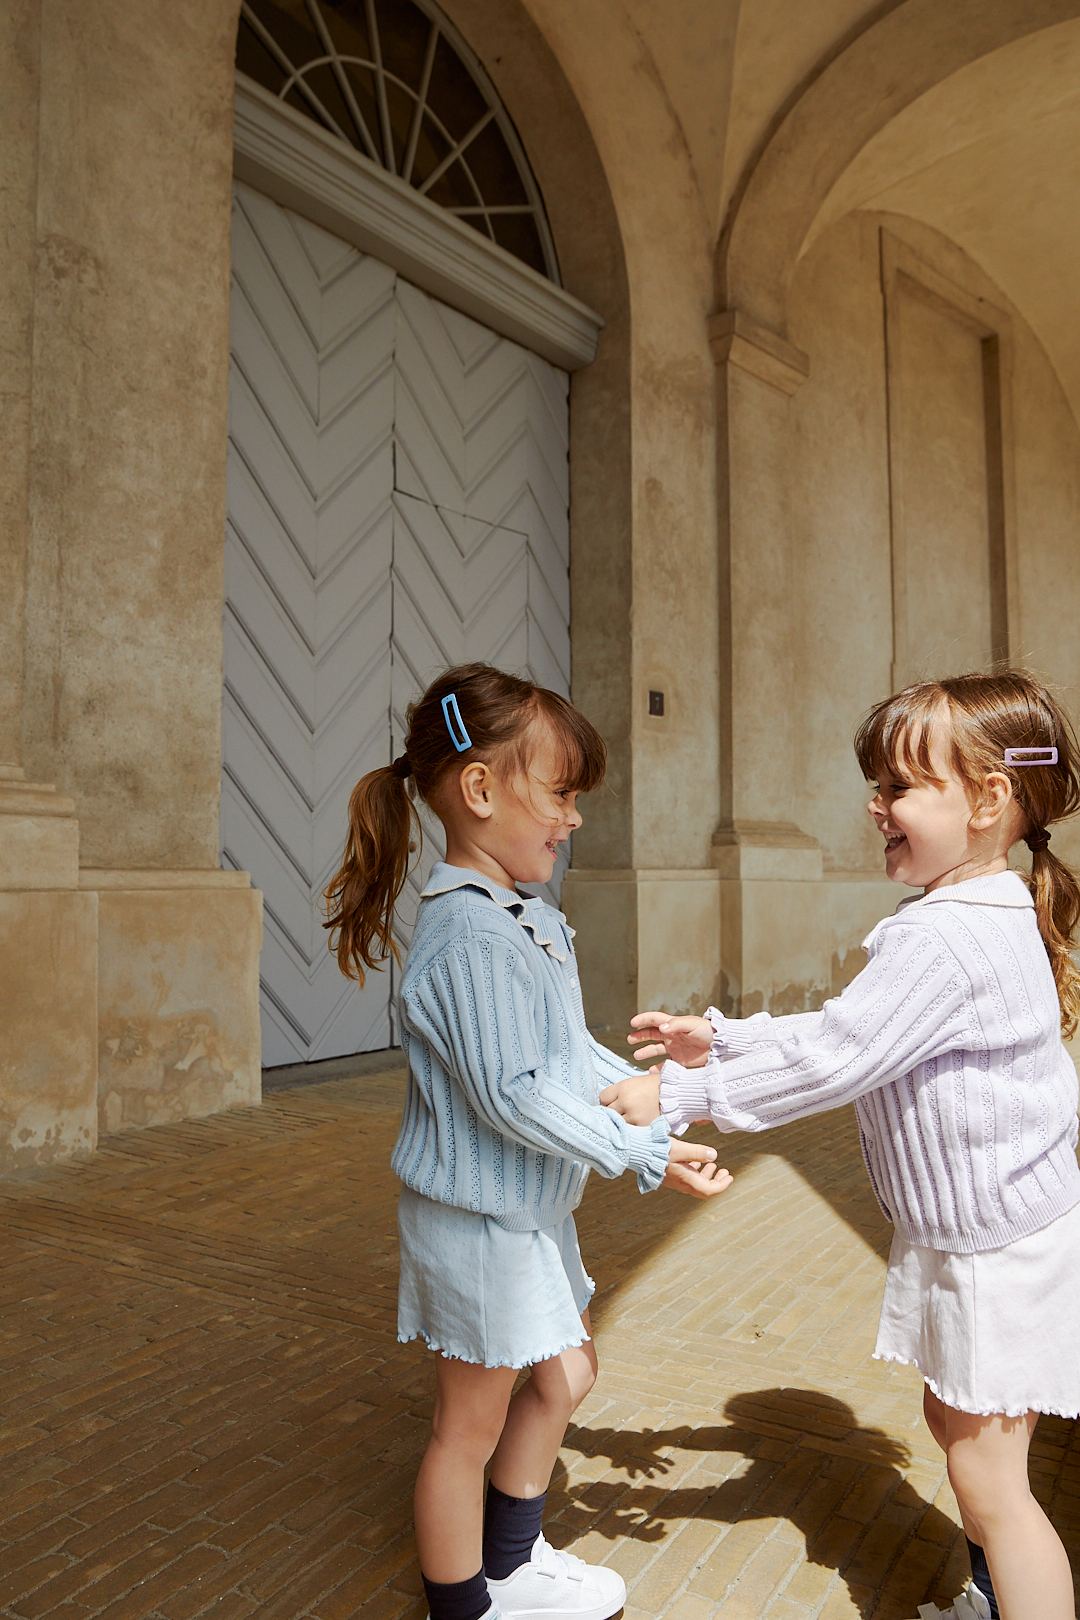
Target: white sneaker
[[970, 1605], [488, 1614], [555, 1583]]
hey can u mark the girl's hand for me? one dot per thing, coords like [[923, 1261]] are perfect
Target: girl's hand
[[692, 1170], [686, 1040], [637, 1099]]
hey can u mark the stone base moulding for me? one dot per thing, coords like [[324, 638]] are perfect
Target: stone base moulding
[[48, 1024], [48, 971], [178, 994]]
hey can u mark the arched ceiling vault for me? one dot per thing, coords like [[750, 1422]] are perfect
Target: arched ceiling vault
[[888, 68], [991, 158]]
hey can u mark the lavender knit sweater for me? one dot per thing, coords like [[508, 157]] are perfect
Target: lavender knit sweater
[[949, 1045]]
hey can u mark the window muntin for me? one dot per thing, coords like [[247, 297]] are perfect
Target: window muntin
[[394, 80]]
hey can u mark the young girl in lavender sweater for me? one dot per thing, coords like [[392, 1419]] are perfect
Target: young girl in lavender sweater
[[501, 1126], [949, 1043]]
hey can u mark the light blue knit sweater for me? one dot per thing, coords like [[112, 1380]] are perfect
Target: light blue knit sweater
[[501, 1110]]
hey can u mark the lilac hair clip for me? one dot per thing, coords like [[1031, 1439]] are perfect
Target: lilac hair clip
[[452, 715], [1031, 756]]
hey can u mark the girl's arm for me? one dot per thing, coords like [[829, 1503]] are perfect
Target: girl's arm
[[911, 1002], [610, 1068], [474, 1005]]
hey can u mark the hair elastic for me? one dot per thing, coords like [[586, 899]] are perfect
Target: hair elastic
[[401, 766], [452, 715], [1022, 756], [1037, 840]]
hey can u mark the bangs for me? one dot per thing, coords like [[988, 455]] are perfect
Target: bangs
[[894, 740], [580, 751]]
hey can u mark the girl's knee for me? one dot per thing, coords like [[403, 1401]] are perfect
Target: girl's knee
[[582, 1371], [474, 1435], [563, 1382], [988, 1496], [584, 1378]]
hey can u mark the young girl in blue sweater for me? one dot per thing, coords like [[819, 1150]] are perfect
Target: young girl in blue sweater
[[501, 1125], [949, 1043]]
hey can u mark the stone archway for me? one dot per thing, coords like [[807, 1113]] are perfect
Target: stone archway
[[770, 866], [887, 68]]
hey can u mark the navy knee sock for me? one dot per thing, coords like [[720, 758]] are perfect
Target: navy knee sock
[[980, 1574], [511, 1525], [457, 1600]]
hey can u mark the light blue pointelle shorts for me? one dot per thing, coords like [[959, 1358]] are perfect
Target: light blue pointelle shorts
[[476, 1292]]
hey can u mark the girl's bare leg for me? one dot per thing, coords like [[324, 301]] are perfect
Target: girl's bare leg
[[470, 1410], [988, 1470], [936, 1414], [537, 1419]]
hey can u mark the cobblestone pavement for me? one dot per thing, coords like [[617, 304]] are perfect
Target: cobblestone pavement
[[207, 1412]]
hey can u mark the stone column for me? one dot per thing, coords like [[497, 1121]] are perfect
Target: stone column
[[773, 950], [48, 930], [131, 985]]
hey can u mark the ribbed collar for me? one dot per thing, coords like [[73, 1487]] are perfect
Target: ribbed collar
[[998, 889], [531, 910]]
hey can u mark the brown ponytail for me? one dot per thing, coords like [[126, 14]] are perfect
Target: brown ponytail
[[497, 713], [1057, 906], [362, 895], [988, 714]]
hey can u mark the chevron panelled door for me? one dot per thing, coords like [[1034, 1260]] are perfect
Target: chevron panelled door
[[398, 500], [481, 515]]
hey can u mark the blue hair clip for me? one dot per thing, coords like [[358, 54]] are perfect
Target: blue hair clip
[[452, 715]]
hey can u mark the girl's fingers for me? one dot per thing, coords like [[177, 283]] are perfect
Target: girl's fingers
[[650, 1051], [642, 1020], [692, 1153]]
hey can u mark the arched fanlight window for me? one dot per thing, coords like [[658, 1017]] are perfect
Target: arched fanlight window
[[394, 80]]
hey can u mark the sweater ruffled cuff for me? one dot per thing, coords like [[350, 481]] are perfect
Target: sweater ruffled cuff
[[687, 1095], [731, 1035], [648, 1153], [684, 1097]]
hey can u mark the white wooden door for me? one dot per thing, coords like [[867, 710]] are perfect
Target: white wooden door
[[397, 502]]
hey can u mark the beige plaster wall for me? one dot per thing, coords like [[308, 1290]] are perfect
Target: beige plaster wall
[[128, 450], [842, 526]]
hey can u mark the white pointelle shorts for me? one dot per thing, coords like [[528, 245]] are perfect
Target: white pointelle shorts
[[476, 1292], [997, 1332]]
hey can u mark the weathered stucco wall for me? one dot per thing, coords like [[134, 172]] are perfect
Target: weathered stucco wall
[[128, 455]]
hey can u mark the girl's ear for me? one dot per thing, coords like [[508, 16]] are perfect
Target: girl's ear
[[475, 784], [996, 797]]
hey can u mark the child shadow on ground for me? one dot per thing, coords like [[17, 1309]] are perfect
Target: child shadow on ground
[[810, 1463]]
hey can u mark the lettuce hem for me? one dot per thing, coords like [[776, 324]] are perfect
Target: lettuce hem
[[475, 1361], [972, 1411]]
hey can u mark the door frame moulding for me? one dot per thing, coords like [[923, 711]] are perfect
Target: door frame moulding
[[283, 154], [903, 268]]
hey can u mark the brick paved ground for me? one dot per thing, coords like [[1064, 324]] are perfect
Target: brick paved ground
[[208, 1413]]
